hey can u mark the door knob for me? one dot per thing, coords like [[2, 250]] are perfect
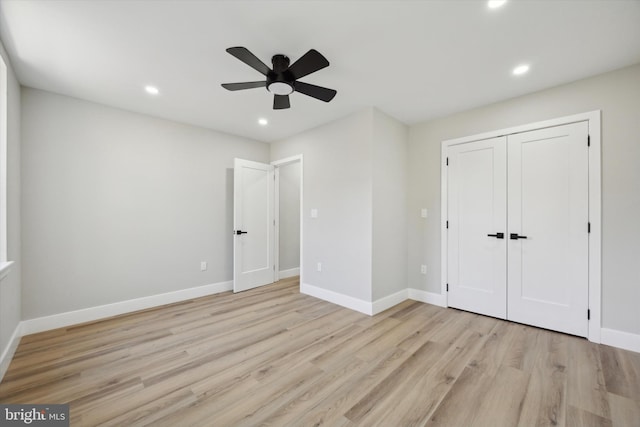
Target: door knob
[[239, 232], [515, 236], [497, 235]]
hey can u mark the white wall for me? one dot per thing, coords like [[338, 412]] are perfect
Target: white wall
[[617, 94], [337, 182], [355, 176], [389, 206], [289, 255], [10, 286], [118, 205]]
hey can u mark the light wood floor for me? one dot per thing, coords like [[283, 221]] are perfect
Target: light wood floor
[[272, 356]]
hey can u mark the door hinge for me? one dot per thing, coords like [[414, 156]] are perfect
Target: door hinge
[[447, 224], [588, 227], [588, 314], [447, 287], [447, 161], [588, 140], [274, 267]]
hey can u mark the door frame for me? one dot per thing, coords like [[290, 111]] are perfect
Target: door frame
[[593, 118], [278, 164]]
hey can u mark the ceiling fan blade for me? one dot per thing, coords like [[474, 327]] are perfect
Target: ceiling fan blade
[[281, 102], [243, 54], [245, 85], [310, 62], [318, 92]]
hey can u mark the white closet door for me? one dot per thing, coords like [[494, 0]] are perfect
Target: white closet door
[[548, 203], [477, 207]]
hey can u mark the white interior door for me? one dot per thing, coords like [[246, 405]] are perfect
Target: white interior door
[[548, 204], [253, 219], [477, 189]]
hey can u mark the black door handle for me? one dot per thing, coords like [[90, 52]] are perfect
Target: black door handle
[[515, 236], [238, 232], [497, 235]]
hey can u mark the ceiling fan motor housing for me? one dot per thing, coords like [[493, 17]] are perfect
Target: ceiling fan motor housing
[[279, 79]]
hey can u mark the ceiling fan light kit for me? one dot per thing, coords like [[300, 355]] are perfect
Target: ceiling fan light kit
[[282, 80], [280, 88]]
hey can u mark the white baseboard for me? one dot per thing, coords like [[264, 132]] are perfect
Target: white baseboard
[[283, 274], [624, 340], [428, 297], [69, 318], [10, 349], [336, 298], [389, 301], [377, 306]]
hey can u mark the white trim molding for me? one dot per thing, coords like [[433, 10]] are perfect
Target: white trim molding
[[428, 297], [377, 306], [61, 320], [10, 350], [292, 272], [595, 220], [385, 303], [287, 160], [5, 268], [336, 298], [624, 340], [4, 137], [419, 295]]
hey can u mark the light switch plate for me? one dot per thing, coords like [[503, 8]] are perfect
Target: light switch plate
[[314, 213], [423, 213]]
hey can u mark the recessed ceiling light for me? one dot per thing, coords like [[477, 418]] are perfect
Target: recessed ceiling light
[[263, 122], [494, 4], [152, 90], [520, 69]]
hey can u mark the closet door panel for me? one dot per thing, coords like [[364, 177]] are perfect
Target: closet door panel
[[548, 218], [477, 208]]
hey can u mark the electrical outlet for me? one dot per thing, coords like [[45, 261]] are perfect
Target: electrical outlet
[[203, 265], [319, 267], [423, 269]]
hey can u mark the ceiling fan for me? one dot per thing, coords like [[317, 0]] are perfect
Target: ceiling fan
[[282, 80]]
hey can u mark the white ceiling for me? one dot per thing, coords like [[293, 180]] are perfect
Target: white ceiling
[[415, 60]]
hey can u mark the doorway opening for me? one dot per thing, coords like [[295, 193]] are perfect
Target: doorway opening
[[267, 231], [288, 217]]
